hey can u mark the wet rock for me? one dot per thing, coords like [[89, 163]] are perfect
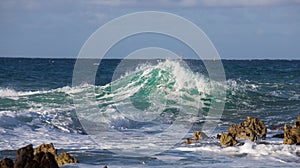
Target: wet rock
[[251, 129], [62, 159], [227, 139], [46, 148], [278, 136], [24, 158], [199, 135], [297, 123], [188, 141], [6, 163], [44, 156], [65, 158], [46, 160], [291, 135]]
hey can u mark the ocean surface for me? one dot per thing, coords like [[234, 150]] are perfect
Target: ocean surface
[[133, 101]]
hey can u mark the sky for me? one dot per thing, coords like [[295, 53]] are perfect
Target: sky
[[239, 29]]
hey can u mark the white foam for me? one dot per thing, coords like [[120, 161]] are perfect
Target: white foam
[[12, 94], [261, 151]]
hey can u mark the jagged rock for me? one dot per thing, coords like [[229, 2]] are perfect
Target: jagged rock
[[251, 129], [65, 158], [46, 148], [6, 163], [24, 158], [46, 160], [227, 140], [291, 135], [44, 156]]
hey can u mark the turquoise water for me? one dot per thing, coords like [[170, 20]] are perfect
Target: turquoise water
[[141, 99]]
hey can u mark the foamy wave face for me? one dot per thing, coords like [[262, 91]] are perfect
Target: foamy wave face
[[150, 90], [155, 103]]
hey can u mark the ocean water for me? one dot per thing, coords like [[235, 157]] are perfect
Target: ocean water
[[133, 101]]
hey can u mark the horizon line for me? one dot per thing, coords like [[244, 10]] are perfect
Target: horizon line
[[72, 58]]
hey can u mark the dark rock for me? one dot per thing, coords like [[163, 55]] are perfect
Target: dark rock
[[276, 127], [46, 160], [65, 158], [227, 140], [297, 123], [47, 149], [24, 157], [6, 163], [278, 136], [44, 156]]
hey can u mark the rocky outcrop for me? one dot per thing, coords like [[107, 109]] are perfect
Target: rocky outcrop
[[46, 148], [44, 156], [227, 139], [46, 160], [6, 163], [62, 159], [292, 134], [65, 158], [251, 129], [24, 158]]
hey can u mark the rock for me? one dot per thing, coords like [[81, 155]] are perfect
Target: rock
[[297, 123], [24, 158], [291, 135], [46, 160], [251, 129], [46, 148], [188, 141], [199, 135], [6, 163], [65, 158], [44, 156], [227, 139], [278, 136]]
